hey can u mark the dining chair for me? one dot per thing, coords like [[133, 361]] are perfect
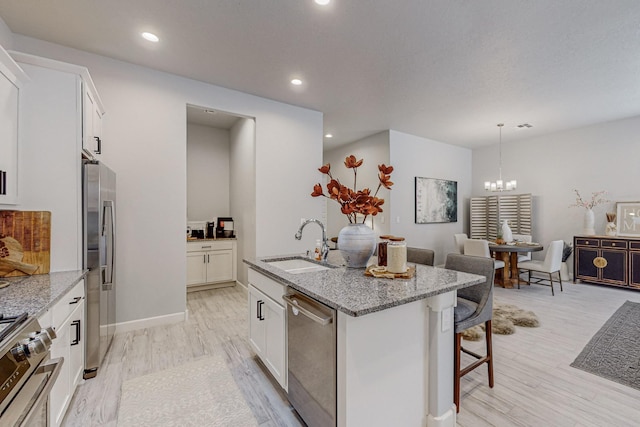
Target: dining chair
[[478, 247], [459, 240], [523, 238], [420, 256], [474, 306], [551, 264]]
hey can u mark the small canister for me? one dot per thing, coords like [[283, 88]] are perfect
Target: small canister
[[382, 249], [397, 255]]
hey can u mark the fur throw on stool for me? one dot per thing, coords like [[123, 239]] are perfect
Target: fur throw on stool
[[505, 319]]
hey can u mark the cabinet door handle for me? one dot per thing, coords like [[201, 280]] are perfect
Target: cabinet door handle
[[99, 148], [204, 259], [600, 262], [3, 183], [208, 259], [76, 323], [75, 300], [260, 304]]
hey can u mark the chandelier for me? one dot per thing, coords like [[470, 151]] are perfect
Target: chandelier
[[500, 185]]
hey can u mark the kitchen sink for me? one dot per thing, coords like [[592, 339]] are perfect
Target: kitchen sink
[[296, 265]]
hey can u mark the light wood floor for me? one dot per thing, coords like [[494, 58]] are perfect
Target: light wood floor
[[534, 384]]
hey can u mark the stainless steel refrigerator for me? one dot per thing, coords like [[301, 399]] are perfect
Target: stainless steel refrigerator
[[99, 228]]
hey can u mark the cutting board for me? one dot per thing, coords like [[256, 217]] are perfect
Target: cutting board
[[25, 243]]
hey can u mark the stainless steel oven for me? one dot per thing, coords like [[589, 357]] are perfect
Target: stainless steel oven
[[26, 372]]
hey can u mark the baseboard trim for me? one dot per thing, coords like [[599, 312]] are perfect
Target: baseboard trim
[[150, 322]]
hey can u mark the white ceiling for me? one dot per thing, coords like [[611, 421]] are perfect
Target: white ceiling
[[449, 70]]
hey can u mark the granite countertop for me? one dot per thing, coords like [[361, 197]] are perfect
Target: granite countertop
[[353, 293], [35, 294]]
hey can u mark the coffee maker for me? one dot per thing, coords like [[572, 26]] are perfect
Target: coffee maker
[[225, 227], [211, 230]]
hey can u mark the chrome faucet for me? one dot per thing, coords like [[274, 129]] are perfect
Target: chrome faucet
[[325, 246]]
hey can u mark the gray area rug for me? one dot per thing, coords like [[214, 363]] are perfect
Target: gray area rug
[[199, 393], [614, 351]]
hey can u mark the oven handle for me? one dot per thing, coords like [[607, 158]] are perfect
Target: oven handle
[[54, 369]]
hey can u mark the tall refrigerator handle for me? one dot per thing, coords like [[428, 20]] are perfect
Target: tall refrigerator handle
[[109, 228]]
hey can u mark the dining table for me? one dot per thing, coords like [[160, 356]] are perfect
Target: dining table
[[508, 252]]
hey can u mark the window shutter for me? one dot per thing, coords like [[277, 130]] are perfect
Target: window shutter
[[487, 214]]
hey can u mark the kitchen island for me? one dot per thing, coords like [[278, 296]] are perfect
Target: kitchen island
[[394, 339]]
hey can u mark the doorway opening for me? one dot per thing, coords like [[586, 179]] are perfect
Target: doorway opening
[[220, 197]]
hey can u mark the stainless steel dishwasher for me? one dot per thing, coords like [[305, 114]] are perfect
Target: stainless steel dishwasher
[[311, 329]]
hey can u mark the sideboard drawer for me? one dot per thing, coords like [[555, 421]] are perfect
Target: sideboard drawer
[[634, 245], [588, 242], [617, 244]]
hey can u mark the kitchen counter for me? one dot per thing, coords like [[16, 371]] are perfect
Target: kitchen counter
[[351, 292], [35, 294], [210, 239], [394, 339]]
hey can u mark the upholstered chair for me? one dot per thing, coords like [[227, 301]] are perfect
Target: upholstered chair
[[551, 264], [420, 256], [474, 307], [523, 238], [459, 240], [478, 247]]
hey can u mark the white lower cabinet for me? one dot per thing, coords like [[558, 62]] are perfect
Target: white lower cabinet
[[211, 262], [267, 324], [67, 319]]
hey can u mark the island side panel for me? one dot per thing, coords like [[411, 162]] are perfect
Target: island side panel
[[382, 367]]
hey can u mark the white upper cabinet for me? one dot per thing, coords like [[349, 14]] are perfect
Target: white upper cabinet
[[92, 122], [90, 109], [52, 135], [11, 78]]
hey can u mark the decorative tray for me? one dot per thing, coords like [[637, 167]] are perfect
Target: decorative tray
[[381, 272]]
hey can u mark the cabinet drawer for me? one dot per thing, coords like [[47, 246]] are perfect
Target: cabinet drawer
[[588, 242], [67, 304], [209, 245], [268, 286], [634, 245], [617, 244]]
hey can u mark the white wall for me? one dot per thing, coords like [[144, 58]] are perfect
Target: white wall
[[411, 157], [598, 157], [207, 172], [374, 150], [145, 144], [243, 191], [6, 36]]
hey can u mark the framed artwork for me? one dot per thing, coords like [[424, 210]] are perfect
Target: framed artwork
[[436, 200], [628, 218]]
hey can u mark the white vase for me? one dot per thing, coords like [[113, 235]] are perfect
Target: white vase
[[611, 229], [564, 272], [507, 235], [356, 242], [588, 226]]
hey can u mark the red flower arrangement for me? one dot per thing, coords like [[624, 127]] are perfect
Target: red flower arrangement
[[354, 202]]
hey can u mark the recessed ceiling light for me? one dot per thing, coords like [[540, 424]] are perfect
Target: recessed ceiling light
[[328, 135], [296, 82], [150, 36], [323, 2]]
